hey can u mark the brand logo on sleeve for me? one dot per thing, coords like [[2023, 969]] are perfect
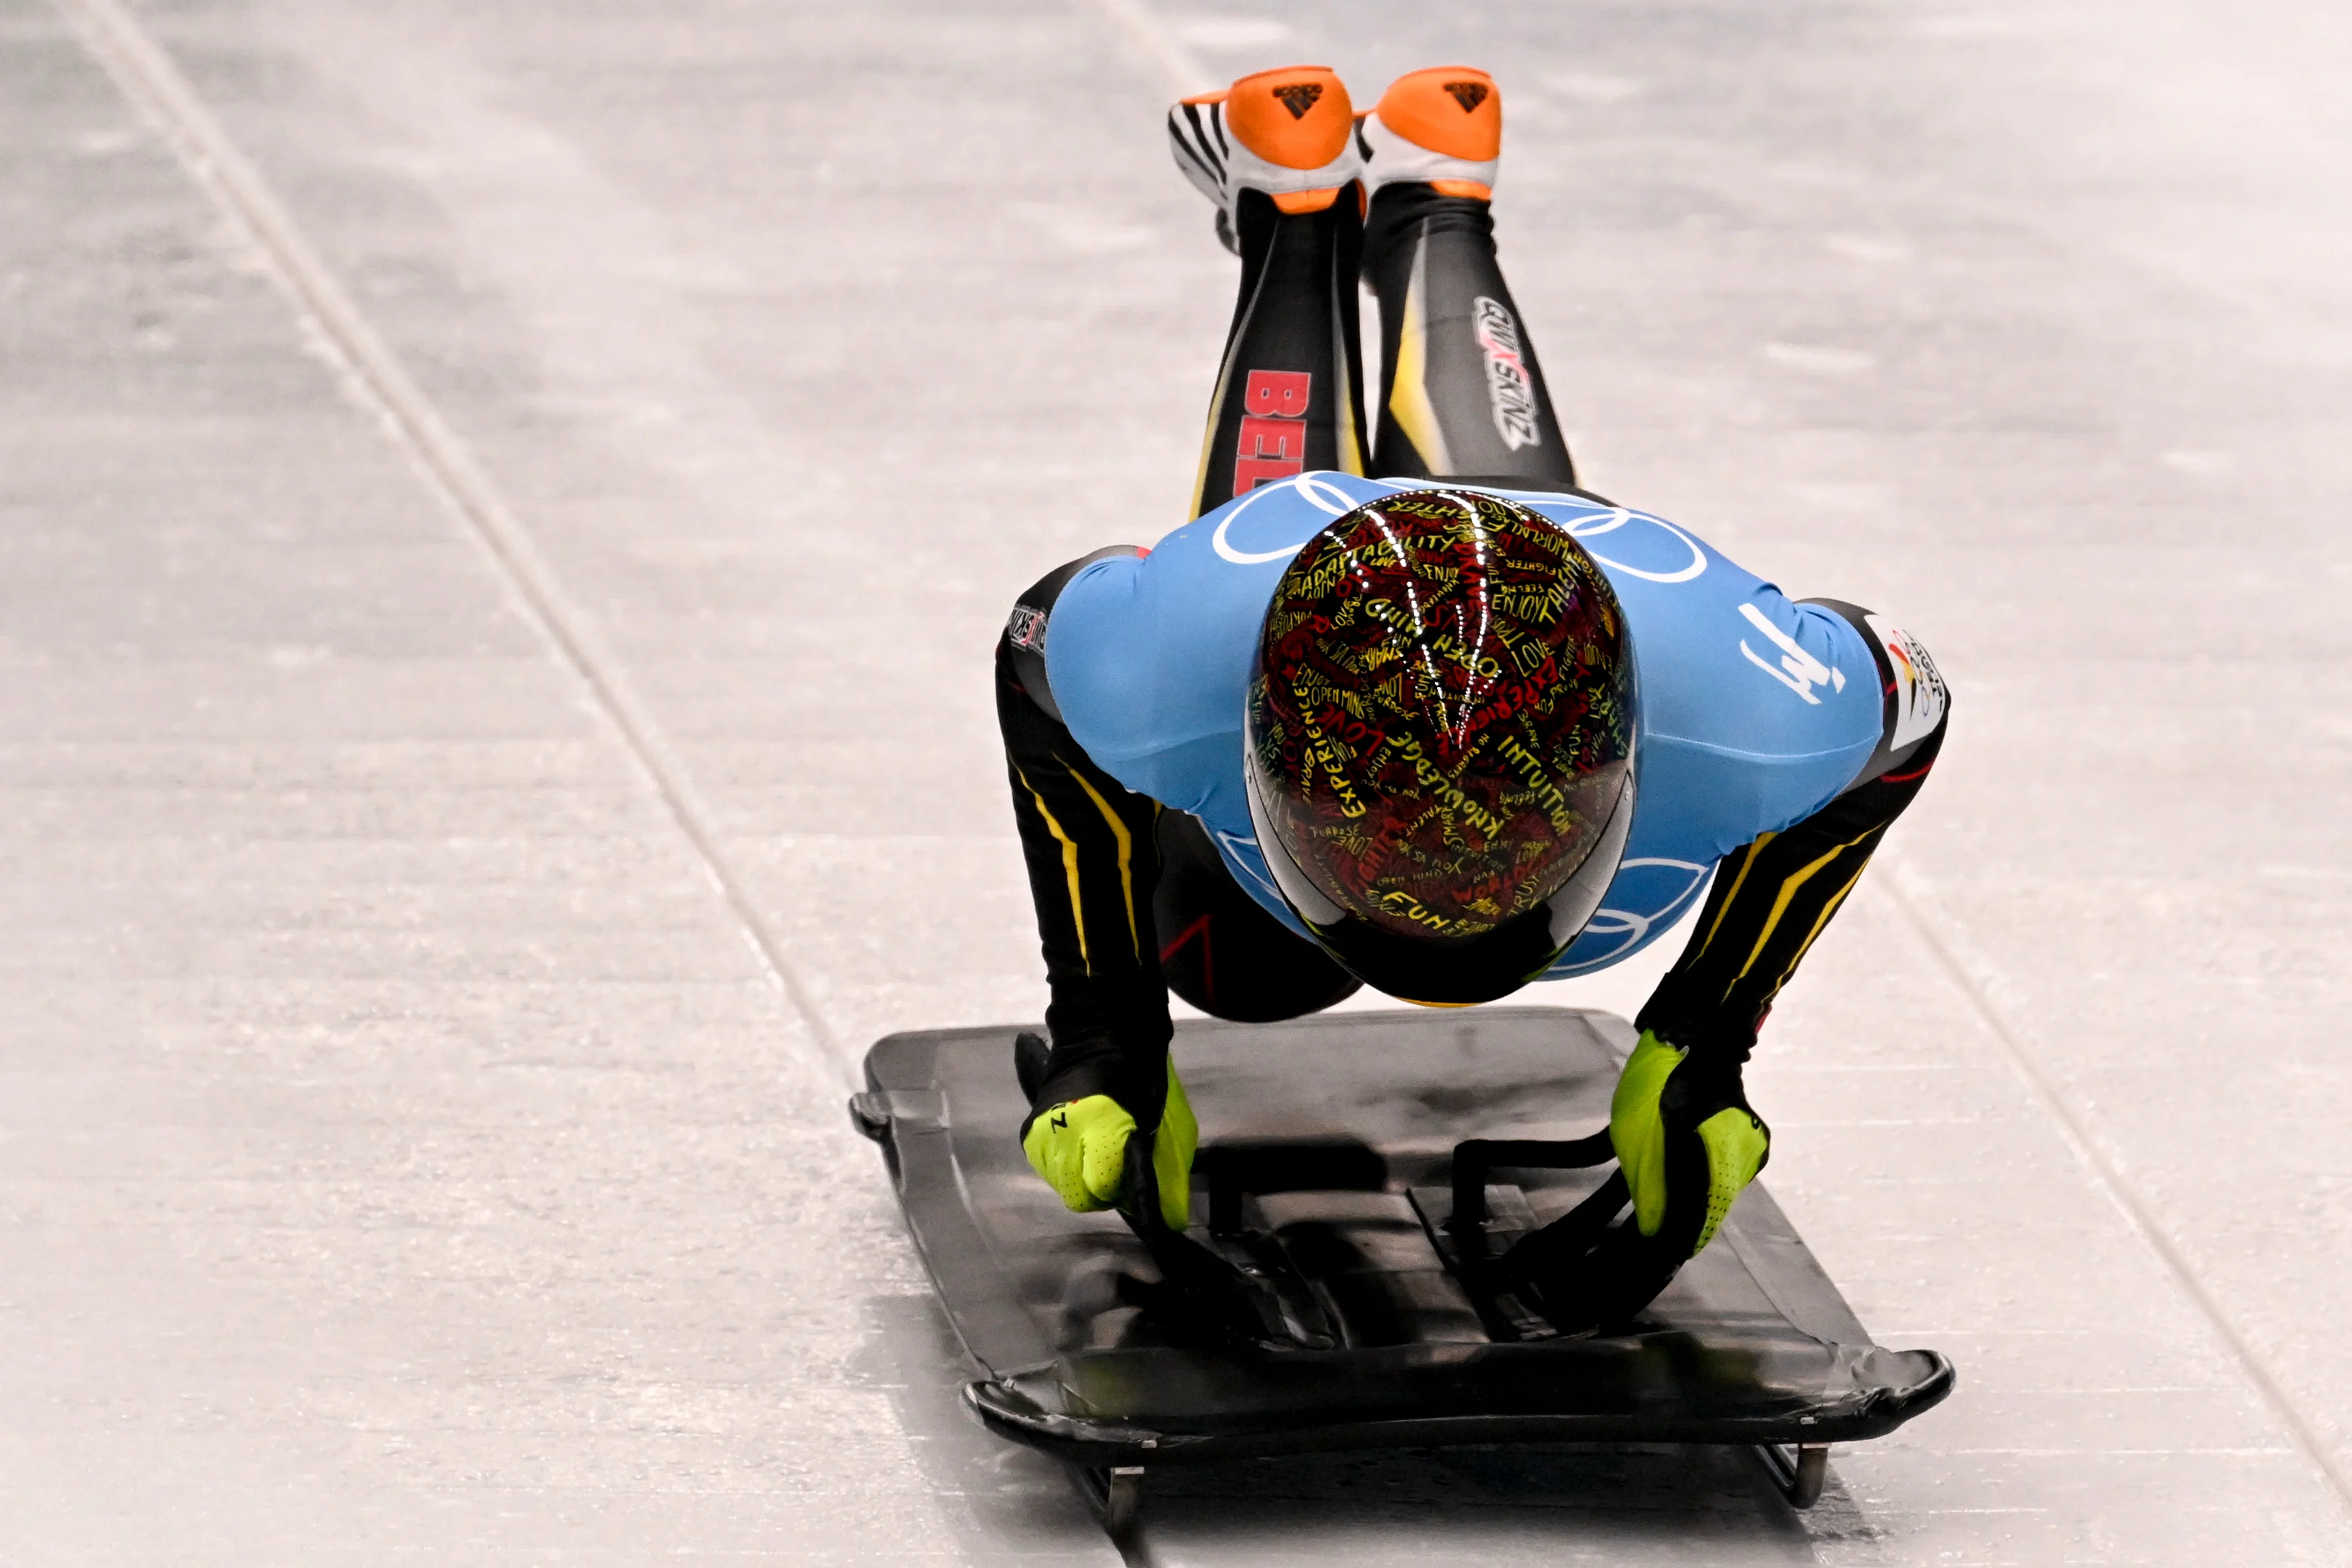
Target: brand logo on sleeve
[[1798, 670], [1025, 629], [1510, 390]]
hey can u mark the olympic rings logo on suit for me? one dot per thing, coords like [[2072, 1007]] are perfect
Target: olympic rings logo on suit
[[1332, 500]]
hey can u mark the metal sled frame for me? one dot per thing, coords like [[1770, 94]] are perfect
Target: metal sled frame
[[1343, 1146]]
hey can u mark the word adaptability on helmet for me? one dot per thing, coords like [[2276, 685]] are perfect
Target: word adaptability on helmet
[[1441, 743]]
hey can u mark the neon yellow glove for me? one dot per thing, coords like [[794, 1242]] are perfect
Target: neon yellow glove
[[1663, 1124], [1080, 1146]]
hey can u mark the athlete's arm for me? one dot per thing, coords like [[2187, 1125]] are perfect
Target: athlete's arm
[[1773, 896], [1685, 1136], [1093, 862]]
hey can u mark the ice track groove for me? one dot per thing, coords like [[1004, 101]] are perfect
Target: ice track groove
[[377, 381], [2110, 1180]]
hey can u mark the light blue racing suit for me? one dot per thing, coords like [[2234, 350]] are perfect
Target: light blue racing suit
[[1753, 711]]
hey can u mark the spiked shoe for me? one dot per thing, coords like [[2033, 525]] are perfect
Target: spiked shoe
[[1287, 133], [1442, 127]]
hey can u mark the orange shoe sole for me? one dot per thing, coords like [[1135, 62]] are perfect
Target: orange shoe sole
[[1295, 117], [1453, 110]]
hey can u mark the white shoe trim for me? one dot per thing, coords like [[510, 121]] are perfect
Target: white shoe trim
[[1221, 168], [1393, 159]]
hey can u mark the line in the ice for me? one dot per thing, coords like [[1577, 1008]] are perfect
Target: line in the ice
[[2109, 1178], [147, 76], [1181, 70]]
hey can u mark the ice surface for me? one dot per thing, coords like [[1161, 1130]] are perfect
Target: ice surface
[[407, 1151]]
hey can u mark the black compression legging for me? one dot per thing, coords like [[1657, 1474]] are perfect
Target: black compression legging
[[1461, 396]]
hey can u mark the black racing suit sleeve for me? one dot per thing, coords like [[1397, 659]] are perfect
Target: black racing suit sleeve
[[1774, 896], [1093, 860]]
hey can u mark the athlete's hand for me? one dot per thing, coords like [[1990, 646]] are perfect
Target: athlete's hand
[[1686, 1141], [1080, 1146]]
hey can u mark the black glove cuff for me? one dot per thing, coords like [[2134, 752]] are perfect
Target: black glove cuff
[[1707, 1081], [1701, 1031], [1098, 1064]]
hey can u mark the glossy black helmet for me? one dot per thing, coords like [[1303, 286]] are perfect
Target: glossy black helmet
[[1441, 741]]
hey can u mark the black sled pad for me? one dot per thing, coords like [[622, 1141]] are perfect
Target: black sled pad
[[1319, 1300]]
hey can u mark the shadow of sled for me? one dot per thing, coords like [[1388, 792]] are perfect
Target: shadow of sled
[[1325, 1297]]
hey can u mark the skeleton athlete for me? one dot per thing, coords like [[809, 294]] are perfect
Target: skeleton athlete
[[1443, 732]]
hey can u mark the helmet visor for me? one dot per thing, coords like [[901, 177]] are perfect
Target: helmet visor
[[1458, 971]]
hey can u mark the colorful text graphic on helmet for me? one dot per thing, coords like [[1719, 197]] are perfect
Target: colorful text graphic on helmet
[[1442, 719]]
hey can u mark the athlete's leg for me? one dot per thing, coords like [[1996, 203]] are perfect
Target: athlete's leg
[[1220, 951], [1461, 393], [1285, 397]]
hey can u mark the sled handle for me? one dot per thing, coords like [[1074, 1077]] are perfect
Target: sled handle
[[1475, 1158]]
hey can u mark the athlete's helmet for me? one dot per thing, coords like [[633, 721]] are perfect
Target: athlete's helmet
[[1441, 741]]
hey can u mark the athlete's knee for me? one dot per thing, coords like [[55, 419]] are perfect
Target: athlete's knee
[[1220, 951], [1917, 700]]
